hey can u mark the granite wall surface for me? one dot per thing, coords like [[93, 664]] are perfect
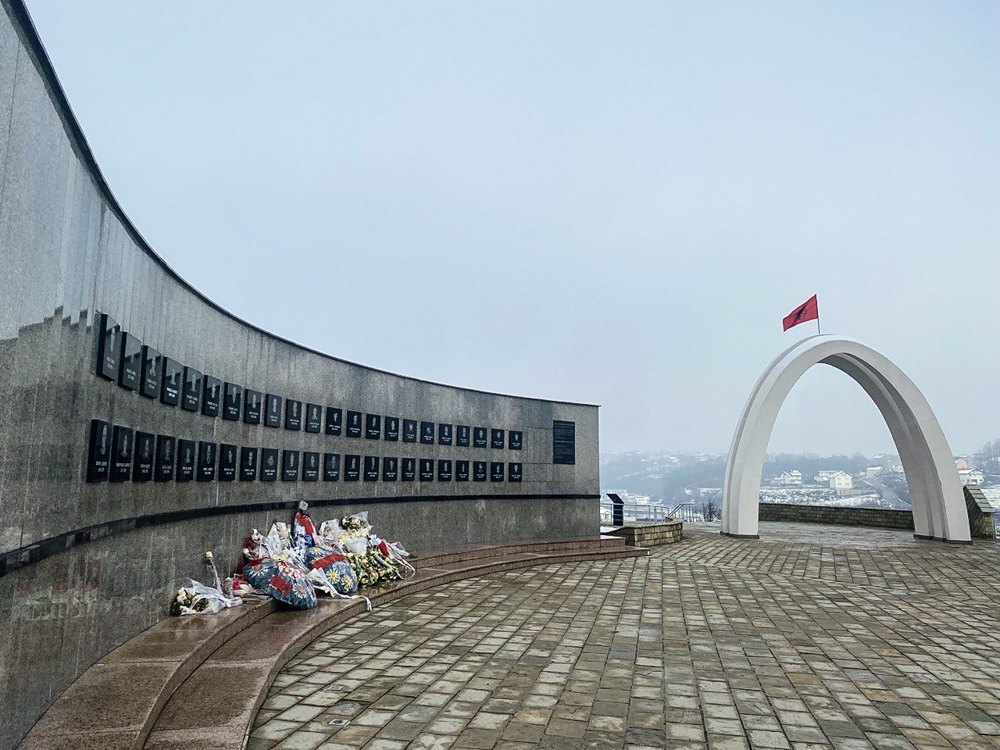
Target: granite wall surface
[[84, 565]]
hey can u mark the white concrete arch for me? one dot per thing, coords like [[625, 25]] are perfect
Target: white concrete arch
[[935, 490]]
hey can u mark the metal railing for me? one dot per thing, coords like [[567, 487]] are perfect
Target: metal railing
[[685, 512], [649, 512]]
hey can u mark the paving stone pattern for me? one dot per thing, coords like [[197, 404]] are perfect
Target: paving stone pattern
[[809, 638]]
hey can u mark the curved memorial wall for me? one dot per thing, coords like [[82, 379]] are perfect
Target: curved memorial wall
[[141, 424]]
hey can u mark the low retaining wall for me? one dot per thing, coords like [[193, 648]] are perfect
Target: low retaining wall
[[879, 517], [651, 534]]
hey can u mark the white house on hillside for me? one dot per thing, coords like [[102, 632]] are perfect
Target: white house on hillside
[[791, 478]]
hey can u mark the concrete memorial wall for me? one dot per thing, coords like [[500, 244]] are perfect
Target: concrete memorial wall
[[141, 424]]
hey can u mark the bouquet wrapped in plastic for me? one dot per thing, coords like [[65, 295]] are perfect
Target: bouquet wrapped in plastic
[[328, 567], [275, 568], [197, 598]]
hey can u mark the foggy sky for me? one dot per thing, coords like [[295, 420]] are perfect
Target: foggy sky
[[600, 202]]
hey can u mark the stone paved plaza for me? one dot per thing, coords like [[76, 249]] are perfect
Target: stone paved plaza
[[812, 637]]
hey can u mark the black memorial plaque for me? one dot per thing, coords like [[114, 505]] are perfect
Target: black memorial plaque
[[331, 467], [248, 464], [353, 424], [496, 471], [145, 453], [293, 414], [334, 420], [99, 454], [206, 461], [463, 435], [390, 469], [268, 464], [310, 466], [152, 372], [314, 417], [444, 470], [211, 397], [289, 466], [121, 453], [392, 429], [173, 375], [479, 437], [232, 399], [444, 434], [109, 348], [352, 468], [496, 438], [130, 374], [371, 468], [191, 395], [427, 433], [272, 410], [228, 459], [563, 442], [514, 471], [252, 402], [515, 440], [479, 471], [166, 457], [409, 430], [373, 426], [408, 471], [426, 469], [461, 471], [186, 455]]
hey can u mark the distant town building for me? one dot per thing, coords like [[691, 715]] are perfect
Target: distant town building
[[835, 480], [791, 478], [971, 477], [873, 471], [961, 463]]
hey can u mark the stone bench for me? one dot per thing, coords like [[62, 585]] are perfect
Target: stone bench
[[651, 534]]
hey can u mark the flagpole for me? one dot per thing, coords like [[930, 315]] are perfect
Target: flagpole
[[818, 331]]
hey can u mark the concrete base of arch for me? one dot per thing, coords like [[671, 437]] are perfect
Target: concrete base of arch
[[935, 490]]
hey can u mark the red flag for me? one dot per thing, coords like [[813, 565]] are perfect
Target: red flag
[[808, 310]]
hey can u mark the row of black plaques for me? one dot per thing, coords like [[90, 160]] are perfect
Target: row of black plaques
[[121, 454], [138, 367]]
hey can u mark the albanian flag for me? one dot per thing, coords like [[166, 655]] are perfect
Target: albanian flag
[[808, 310]]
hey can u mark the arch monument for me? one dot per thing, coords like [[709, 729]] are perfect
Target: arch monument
[[939, 510]]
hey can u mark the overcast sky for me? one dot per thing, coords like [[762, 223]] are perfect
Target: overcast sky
[[613, 203]]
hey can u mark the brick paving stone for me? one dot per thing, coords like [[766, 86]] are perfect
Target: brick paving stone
[[812, 637]]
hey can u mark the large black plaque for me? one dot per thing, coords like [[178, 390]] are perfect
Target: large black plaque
[[563, 442], [515, 440], [206, 461], [314, 417], [392, 429], [228, 455], [293, 414], [252, 402], [409, 430], [479, 437], [373, 426], [99, 454], [272, 410], [427, 433], [496, 471], [353, 424], [331, 467], [145, 452], [121, 454], [173, 374], [334, 420], [109, 347], [289, 466], [191, 395], [444, 470], [444, 434], [479, 471], [461, 471], [462, 435], [352, 468], [248, 464], [496, 438], [211, 398], [310, 466], [152, 372], [186, 452], [268, 464], [514, 471], [408, 472], [426, 469], [232, 398], [131, 370], [166, 457], [371, 468], [390, 469]]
